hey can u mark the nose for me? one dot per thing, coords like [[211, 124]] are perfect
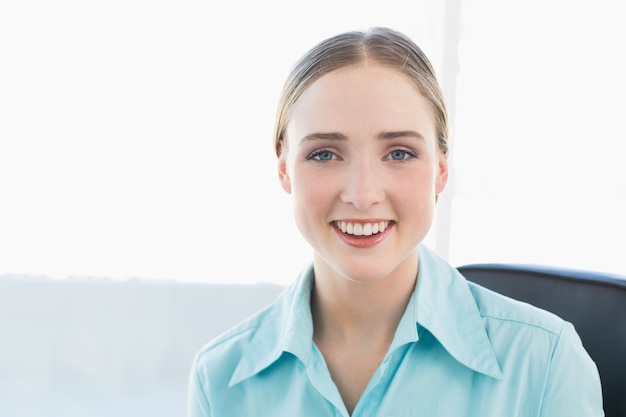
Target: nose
[[363, 185]]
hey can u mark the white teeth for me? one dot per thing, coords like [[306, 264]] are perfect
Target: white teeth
[[362, 229]]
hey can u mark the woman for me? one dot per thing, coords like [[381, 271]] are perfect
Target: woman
[[379, 325]]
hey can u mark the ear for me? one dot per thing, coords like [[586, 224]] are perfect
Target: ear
[[442, 173], [283, 175]]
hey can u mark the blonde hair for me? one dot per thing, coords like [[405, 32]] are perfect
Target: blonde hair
[[380, 45]]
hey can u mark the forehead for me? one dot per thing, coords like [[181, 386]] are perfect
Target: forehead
[[367, 96]]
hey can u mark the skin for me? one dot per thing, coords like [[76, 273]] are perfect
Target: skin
[[361, 148]]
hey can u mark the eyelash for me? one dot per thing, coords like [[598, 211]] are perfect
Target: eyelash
[[315, 155], [408, 154]]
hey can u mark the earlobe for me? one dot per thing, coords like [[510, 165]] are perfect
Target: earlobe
[[283, 175]]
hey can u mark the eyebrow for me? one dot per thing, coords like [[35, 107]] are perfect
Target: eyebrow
[[384, 135], [401, 134], [324, 136]]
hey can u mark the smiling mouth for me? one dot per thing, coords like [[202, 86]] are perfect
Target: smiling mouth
[[362, 229]]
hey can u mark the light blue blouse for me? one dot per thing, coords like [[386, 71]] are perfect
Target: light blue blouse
[[459, 350]]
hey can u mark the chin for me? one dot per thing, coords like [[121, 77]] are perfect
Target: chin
[[365, 273], [366, 266]]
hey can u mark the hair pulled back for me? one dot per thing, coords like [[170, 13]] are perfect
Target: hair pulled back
[[379, 45]]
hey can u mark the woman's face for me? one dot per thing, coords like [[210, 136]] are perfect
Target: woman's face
[[363, 167]]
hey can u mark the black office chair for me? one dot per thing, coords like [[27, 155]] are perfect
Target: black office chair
[[595, 303]]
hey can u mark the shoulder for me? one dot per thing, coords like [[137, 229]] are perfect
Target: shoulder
[[538, 344], [526, 338], [216, 363], [225, 351], [467, 302], [256, 342], [493, 306]]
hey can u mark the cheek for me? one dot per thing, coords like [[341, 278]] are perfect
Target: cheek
[[314, 193], [420, 181], [311, 191], [414, 193], [311, 204]]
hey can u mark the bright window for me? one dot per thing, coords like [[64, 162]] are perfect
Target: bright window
[[539, 168], [136, 136]]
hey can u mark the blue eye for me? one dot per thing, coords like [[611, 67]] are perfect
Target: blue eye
[[322, 155], [400, 155]]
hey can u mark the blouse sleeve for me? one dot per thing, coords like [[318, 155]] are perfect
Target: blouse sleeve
[[197, 402], [573, 384]]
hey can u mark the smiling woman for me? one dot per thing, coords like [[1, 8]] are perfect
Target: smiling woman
[[136, 142], [378, 324]]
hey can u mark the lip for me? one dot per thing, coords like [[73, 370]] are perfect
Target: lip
[[363, 242]]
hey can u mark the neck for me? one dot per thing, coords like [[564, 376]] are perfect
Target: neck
[[355, 312]]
